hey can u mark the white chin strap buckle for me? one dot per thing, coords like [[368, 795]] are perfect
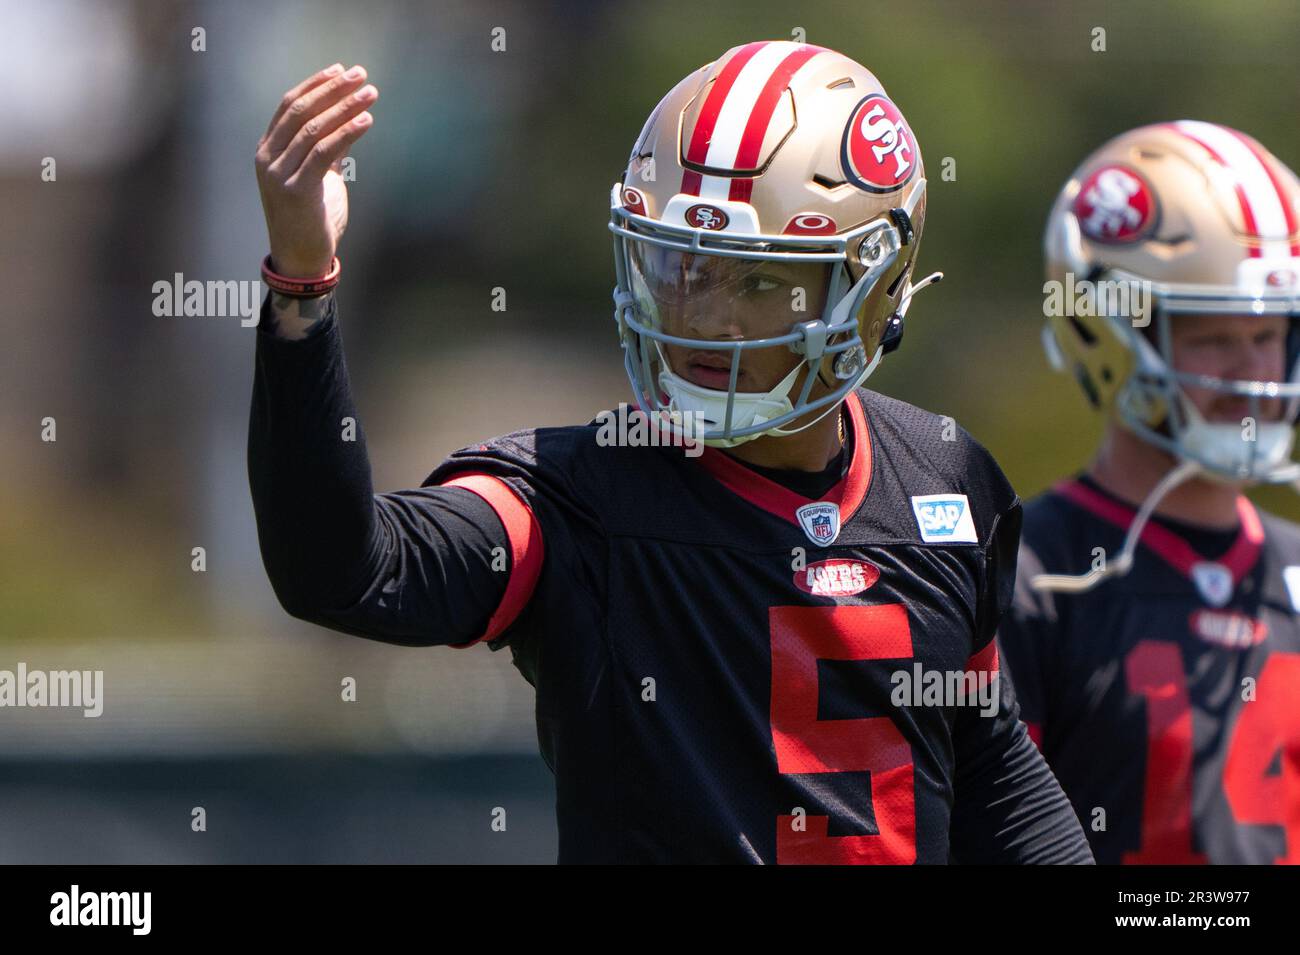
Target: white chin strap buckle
[[696, 409], [1225, 448]]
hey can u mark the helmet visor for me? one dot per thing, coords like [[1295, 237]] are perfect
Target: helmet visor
[[715, 297]]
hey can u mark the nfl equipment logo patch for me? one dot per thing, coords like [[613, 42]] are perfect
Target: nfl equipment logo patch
[[1214, 581], [820, 521]]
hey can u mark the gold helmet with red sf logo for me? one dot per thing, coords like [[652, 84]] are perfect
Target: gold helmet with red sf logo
[[774, 200], [1170, 220], [1166, 220]]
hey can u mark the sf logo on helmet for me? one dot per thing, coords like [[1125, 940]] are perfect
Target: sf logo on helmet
[[1114, 205], [878, 153], [886, 138], [706, 217]]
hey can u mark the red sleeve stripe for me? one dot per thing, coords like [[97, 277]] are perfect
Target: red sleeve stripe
[[982, 669], [1035, 733], [526, 550], [986, 660]]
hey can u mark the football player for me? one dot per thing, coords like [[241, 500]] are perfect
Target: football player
[[758, 609], [1154, 640]]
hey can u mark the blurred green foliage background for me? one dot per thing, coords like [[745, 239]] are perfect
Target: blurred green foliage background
[[491, 169]]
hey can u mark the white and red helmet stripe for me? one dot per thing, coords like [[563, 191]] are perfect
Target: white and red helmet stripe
[[1288, 209], [733, 122], [1265, 207]]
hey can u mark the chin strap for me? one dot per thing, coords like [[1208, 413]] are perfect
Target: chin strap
[[1121, 565], [931, 279], [690, 404]]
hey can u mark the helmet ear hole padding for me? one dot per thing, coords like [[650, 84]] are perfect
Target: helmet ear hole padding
[[895, 288], [1082, 330], [1085, 383], [877, 313]]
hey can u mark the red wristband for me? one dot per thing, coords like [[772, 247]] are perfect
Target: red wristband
[[301, 288]]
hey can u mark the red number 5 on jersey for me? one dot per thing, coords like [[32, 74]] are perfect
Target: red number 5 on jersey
[[804, 744]]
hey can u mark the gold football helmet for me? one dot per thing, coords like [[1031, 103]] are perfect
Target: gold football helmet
[[1166, 220], [776, 181]]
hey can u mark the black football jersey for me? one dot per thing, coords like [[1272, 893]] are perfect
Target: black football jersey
[[729, 672], [1167, 701]]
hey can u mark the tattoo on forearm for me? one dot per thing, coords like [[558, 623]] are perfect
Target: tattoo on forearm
[[294, 318]]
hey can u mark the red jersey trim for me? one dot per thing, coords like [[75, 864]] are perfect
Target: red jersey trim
[[848, 492], [526, 549], [986, 660], [1035, 733], [982, 666], [1167, 545]]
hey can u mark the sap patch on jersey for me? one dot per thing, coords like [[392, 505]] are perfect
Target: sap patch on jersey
[[944, 518]]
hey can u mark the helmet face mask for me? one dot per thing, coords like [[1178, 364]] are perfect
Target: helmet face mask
[[764, 232], [662, 284], [1251, 445]]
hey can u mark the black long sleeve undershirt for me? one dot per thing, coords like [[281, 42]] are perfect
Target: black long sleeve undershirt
[[412, 567]]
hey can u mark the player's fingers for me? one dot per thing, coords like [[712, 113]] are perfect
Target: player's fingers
[[308, 106], [337, 164], [332, 147], [317, 78], [319, 127]]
